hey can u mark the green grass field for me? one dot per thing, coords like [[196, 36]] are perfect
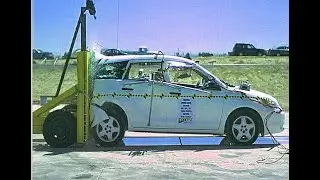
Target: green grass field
[[244, 60], [273, 80]]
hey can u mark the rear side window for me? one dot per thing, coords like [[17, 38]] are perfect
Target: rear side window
[[144, 70], [240, 46], [111, 70], [283, 47]]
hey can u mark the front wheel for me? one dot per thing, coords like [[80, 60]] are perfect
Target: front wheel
[[243, 128]]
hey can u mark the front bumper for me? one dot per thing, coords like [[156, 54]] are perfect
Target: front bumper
[[275, 123]]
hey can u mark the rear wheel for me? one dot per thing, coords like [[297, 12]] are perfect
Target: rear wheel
[[110, 132], [243, 128], [59, 129]]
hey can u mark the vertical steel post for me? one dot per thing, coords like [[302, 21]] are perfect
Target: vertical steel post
[[83, 30], [83, 60], [83, 84]]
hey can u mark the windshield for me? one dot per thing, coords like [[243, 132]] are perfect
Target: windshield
[[219, 81]]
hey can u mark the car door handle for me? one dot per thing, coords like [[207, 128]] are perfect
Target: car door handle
[[175, 93], [130, 89]]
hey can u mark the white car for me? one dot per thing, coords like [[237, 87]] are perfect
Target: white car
[[170, 94]]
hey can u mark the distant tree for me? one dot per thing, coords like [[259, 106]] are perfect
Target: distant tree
[[205, 54], [188, 56]]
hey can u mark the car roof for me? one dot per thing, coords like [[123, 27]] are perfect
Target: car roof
[[283, 46], [110, 49], [111, 59], [242, 43]]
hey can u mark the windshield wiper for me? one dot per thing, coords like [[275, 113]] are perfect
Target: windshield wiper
[[230, 85]]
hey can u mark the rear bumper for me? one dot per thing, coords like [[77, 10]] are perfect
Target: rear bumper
[[275, 124]]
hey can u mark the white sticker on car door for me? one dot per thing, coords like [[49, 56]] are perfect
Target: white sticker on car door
[[186, 111]]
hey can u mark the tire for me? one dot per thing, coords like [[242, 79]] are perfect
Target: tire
[[59, 129], [110, 132], [246, 123]]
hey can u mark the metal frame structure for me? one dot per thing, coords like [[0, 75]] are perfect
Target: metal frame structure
[[80, 91]]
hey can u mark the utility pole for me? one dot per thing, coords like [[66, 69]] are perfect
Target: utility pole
[[118, 27]]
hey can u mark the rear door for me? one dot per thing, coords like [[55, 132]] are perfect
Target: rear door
[[165, 106], [138, 87], [112, 87]]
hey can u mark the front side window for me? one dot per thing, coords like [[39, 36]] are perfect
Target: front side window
[[283, 48], [185, 75], [250, 46], [111, 70]]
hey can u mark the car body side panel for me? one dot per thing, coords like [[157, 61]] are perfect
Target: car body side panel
[[206, 112], [136, 108], [165, 112], [232, 104], [164, 107]]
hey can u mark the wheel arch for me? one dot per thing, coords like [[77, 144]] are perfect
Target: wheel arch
[[110, 105], [248, 109]]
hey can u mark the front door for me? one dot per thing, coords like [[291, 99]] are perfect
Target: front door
[[194, 108], [251, 50], [199, 109]]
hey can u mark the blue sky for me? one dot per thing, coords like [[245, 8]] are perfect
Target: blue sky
[[190, 25]]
